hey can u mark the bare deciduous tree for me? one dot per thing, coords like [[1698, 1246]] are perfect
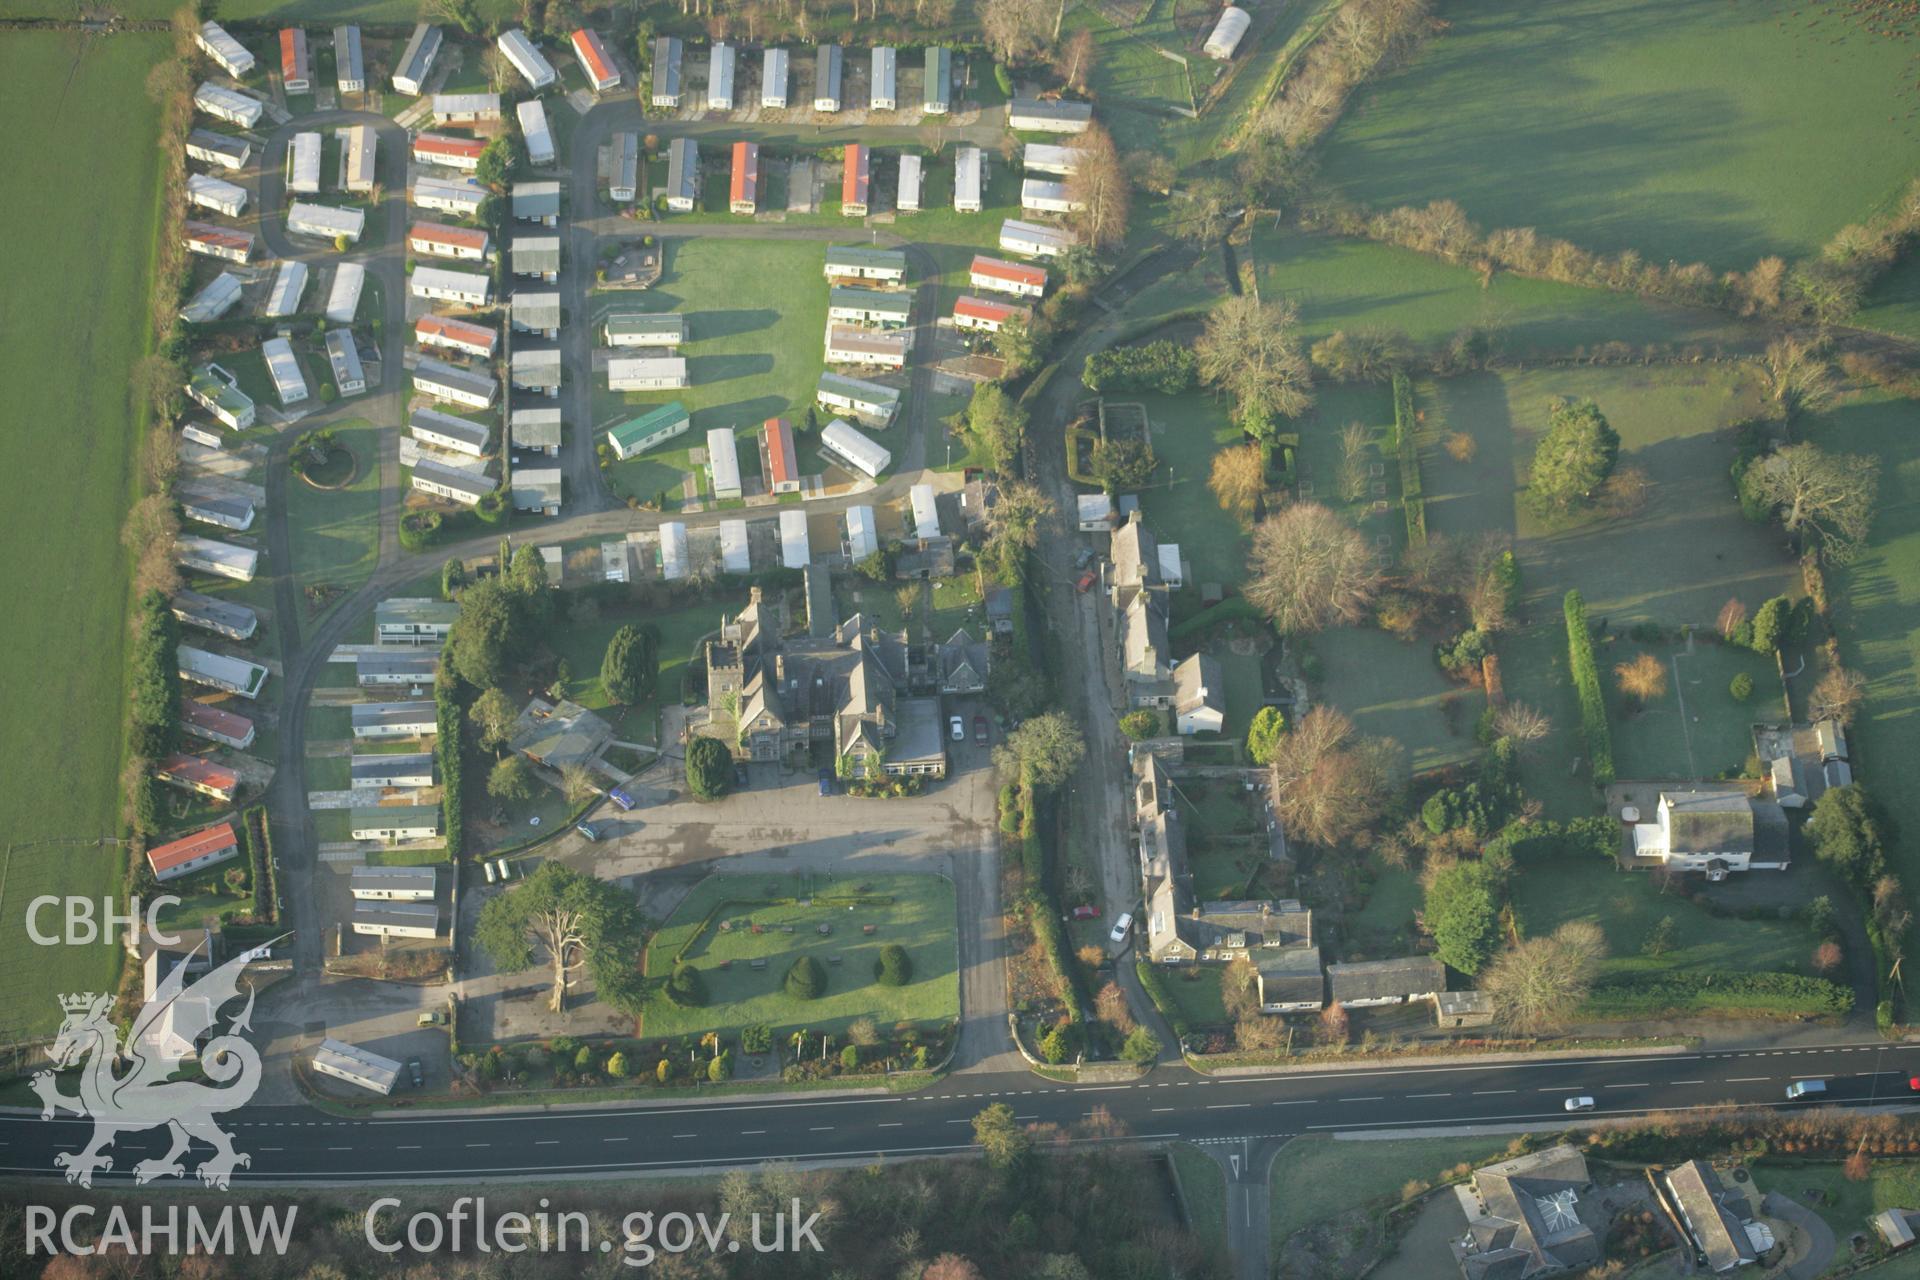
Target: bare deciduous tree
[[1825, 498], [1309, 570], [1013, 28], [1354, 442], [1099, 186], [1839, 694], [1330, 783], [577, 781], [1075, 60], [1539, 984], [1643, 678], [1523, 723], [1238, 478], [1799, 379], [1249, 350], [1732, 614]]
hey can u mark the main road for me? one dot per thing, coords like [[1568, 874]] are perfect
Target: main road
[[294, 1145]]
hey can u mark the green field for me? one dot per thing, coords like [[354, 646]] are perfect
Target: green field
[[1663, 128], [1315, 1178], [920, 918], [335, 533], [314, 13], [79, 304], [1894, 304]]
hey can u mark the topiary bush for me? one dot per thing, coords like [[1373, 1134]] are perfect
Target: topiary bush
[[895, 966], [1741, 688], [806, 979], [709, 768], [686, 987]]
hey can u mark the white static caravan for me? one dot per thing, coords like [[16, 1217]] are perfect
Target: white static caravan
[[735, 556], [884, 86], [394, 884], [926, 511], [214, 241], [466, 287], [464, 336], [211, 193], [213, 301], [1039, 195], [343, 300], [533, 124], [232, 56], [460, 196], [646, 373], [303, 164], [416, 60], [345, 359], [623, 168], [221, 559], [527, 59], [775, 68], [1034, 239], [444, 431], [969, 173], [908, 199], [362, 146], [882, 349], [356, 1066], [675, 561], [467, 244], [451, 483], [474, 387], [795, 551], [847, 445], [723, 463], [465, 108], [325, 222], [1047, 157], [1032, 115], [349, 64], [288, 382], [226, 104], [397, 919], [289, 285], [221, 149], [863, 537], [721, 61]]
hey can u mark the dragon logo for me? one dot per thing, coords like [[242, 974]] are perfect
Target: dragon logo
[[143, 1094]]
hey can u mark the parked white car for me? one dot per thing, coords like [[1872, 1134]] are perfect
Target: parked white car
[[1122, 927]]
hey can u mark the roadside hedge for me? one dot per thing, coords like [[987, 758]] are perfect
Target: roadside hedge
[[154, 677], [1728, 993], [1586, 682], [1406, 444]]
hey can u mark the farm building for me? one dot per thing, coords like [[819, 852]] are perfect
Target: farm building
[[1007, 277], [374, 670], [908, 198], [665, 80], [210, 241], [926, 511], [404, 769], [214, 390], [856, 180], [416, 61], [623, 168], [289, 286], [362, 145], [775, 69], [795, 551], [227, 513], [536, 313], [324, 221], [296, 69], [221, 559], [213, 301], [303, 163], [645, 329], [199, 775], [743, 195], [461, 196], [202, 849], [1039, 195], [720, 68], [356, 1066], [413, 619], [467, 287], [212, 193], [349, 63], [536, 257], [535, 369], [393, 884], [595, 61], [1364, 983], [842, 442], [1034, 115], [373, 720], [1047, 157], [343, 299], [675, 562], [465, 108], [451, 483], [221, 149], [344, 358], [289, 383], [1227, 33], [396, 919], [863, 538], [986, 315], [874, 403], [855, 262], [226, 104], [723, 463], [780, 463], [526, 59], [537, 202], [211, 613], [849, 344], [885, 308], [936, 98], [437, 240], [474, 387], [683, 174], [231, 56], [536, 430], [219, 671], [640, 434], [736, 555], [646, 373], [463, 336], [215, 725], [884, 86], [1033, 239], [829, 64], [969, 174], [533, 126], [537, 489], [449, 151]]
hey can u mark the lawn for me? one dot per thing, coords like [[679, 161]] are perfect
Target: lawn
[[1187, 431], [583, 648], [1847, 1206], [1894, 304], [1663, 128], [1317, 1178], [335, 533], [920, 918], [1136, 82], [79, 307], [1393, 688], [1204, 1185], [1698, 729], [1195, 990]]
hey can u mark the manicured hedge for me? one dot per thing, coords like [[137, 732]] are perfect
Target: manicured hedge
[[1163, 366], [1730, 993], [1406, 443], [253, 827], [1586, 681]]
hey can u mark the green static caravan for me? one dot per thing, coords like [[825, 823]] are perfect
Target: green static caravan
[[635, 437]]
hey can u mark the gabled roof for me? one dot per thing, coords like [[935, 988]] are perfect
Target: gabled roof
[[1714, 1216], [1708, 821], [198, 845], [1381, 979]]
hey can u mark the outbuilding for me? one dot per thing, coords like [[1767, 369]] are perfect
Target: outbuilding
[[743, 195], [303, 164], [720, 66], [846, 445], [646, 373], [601, 71], [325, 221], [463, 336], [637, 435], [829, 62], [1364, 983], [205, 848], [723, 463], [884, 86], [533, 126], [289, 383], [969, 176], [535, 257], [465, 287], [536, 368], [527, 59], [451, 483], [795, 550], [349, 64], [344, 357], [775, 68], [232, 57], [537, 313], [377, 720], [683, 174], [665, 80], [211, 193], [1227, 33], [537, 202], [416, 60], [356, 1066]]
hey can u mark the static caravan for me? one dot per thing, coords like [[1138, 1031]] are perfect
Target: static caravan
[[829, 63], [356, 1066], [394, 884], [856, 180], [858, 262], [451, 483], [863, 537], [213, 301], [216, 725], [200, 775], [221, 559], [646, 373], [362, 146], [874, 403], [1033, 115], [537, 489], [461, 197], [474, 388], [289, 383], [535, 257], [466, 287], [744, 194], [413, 619], [527, 59], [211, 613], [623, 168], [1046, 157], [533, 125], [986, 315], [884, 87], [1039, 195], [326, 222], [656, 426], [227, 104], [536, 202], [416, 60], [645, 329], [882, 308], [349, 64], [537, 313], [675, 561], [850, 344], [720, 67], [381, 670], [222, 149], [937, 95], [781, 462], [683, 174], [227, 513], [444, 431], [847, 445], [1007, 277], [232, 56], [464, 336], [908, 198], [926, 511], [465, 108], [736, 555], [289, 284], [796, 552], [344, 356], [448, 151], [536, 431], [396, 822], [969, 177], [220, 671], [595, 61], [1034, 239], [723, 462], [343, 300], [437, 240], [775, 69], [296, 71], [377, 720], [303, 164], [216, 391], [535, 368], [211, 193], [665, 81], [202, 849]]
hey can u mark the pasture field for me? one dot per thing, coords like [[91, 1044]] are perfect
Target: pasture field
[[1894, 305], [1658, 127], [335, 533], [79, 308], [920, 918]]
